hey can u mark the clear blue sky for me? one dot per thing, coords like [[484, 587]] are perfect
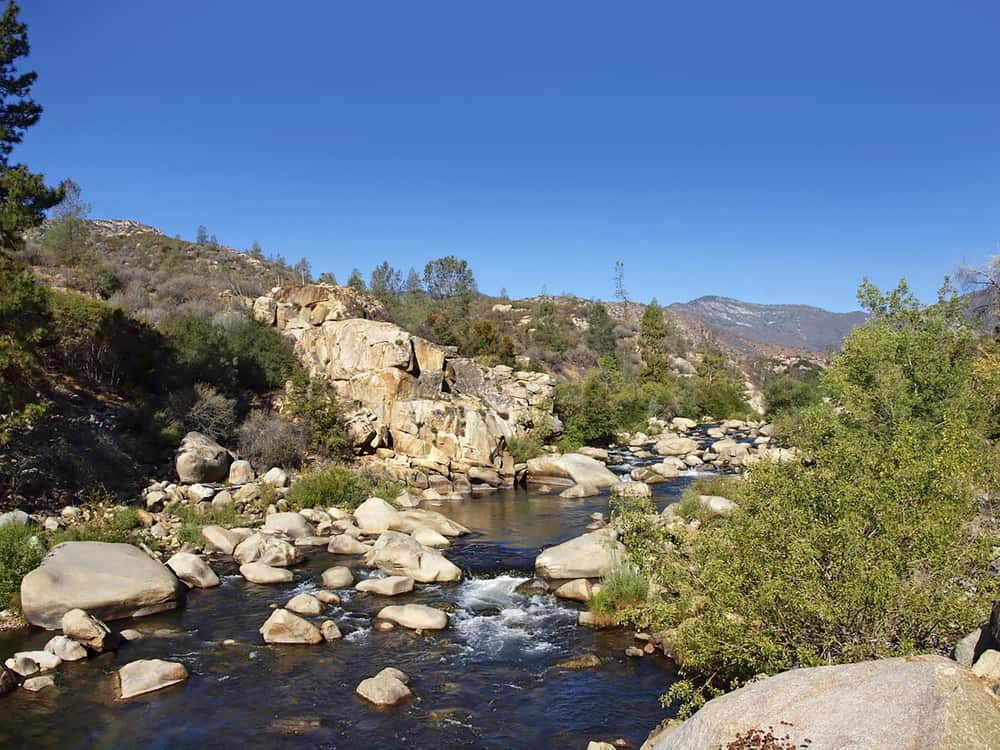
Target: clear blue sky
[[772, 151]]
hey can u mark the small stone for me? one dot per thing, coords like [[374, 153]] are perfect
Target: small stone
[[148, 675], [987, 666], [327, 597], [66, 648], [579, 590], [384, 689], [330, 631], [275, 477], [131, 634], [579, 663], [284, 627], [383, 626], [634, 651], [338, 577], [305, 604], [240, 472], [256, 572], [390, 586], [343, 544], [415, 616], [34, 684], [193, 571]]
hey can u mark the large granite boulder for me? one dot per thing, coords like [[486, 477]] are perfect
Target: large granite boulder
[[911, 703], [201, 459], [590, 555], [400, 555], [149, 675], [110, 581], [570, 469]]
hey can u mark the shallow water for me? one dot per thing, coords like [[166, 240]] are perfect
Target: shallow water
[[487, 681]]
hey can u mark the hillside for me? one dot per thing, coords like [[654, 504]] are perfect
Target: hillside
[[795, 326]]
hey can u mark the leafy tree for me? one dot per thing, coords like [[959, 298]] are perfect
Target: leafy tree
[[201, 237], [327, 278], [549, 328], [303, 270], [24, 197], [67, 236], [256, 252], [449, 278], [386, 282], [871, 549], [24, 316]]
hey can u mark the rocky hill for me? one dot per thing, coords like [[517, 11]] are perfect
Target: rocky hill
[[792, 326]]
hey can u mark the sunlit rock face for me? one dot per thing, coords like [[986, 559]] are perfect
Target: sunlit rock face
[[422, 408]]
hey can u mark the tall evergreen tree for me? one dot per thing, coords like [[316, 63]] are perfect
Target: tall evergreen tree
[[24, 196]]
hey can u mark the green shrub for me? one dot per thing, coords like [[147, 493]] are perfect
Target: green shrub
[[194, 519], [315, 402], [871, 550], [526, 447], [787, 394], [337, 485], [106, 525], [20, 553], [625, 585]]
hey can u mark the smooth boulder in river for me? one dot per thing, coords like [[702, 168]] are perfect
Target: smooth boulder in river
[[284, 627], [108, 580], [571, 469], [415, 616], [399, 555], [909, 703], [590, 555], [148, 675]]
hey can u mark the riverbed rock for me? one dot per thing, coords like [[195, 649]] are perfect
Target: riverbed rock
[[972, 646], [201, 459], [275, 477], [240, 472], [384, 689], [330, 631], [715, 506], [39, 682], [415, 616], [327, 597], [109, 580], [389, 586], [149, 675], [337, 577], [266, 549], [598, 454], [284, 627], [193, 571], [66, 648], [579, 590], [429, 537], [86, 629], [305, 604], [406, 499], [16, 517], [291, 525], [590, 555], [375, 515], [414, 518], [345, 544], [262, 573], [533, 587], [218, 539], [631, 490], [675, 446], [8, 682], [399, 554], [579, 663], [908, 703], [570, 469], [27, 663]]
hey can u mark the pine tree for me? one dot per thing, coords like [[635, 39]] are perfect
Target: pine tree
[[24, 196]]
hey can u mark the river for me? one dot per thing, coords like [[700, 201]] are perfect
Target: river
[[487, 681]]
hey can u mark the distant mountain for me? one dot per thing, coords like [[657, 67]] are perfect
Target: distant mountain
[[794, 326]]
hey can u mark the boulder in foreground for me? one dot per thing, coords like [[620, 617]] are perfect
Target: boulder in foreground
[[110, 581], [909, 703], [386, 688]]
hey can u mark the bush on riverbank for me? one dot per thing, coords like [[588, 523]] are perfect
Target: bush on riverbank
[[874, 548], [20, 553], [338, 485], [625, 585]]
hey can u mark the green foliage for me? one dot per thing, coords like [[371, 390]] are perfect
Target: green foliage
[[601, 333], [23, 318], [386, 282], [652, 342], [483, 340], [624, 586], [528, 446], [21, 551], [788, 395], [871, 549], [23, 196], [314, 401], [550, 329], [449, 278], [337, 485], [690, 507], [113, 524], [194, 518]]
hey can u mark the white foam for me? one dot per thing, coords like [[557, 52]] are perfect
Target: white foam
[[511, 620]]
